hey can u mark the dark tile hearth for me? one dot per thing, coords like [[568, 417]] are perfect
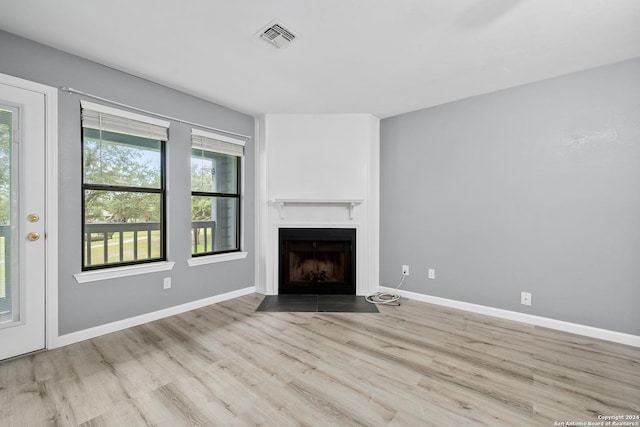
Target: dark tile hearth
[[317, 303]]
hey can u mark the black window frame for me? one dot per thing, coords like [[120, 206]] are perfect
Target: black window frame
[[123, 188], [212, 194]]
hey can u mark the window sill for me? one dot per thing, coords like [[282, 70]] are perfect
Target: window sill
[[211, 259], [113, 273]]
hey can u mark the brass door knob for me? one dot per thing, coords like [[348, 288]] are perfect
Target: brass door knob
[[33, 218], [33, 236]]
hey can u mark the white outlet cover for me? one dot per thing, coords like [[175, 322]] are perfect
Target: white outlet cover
[[432, 273], [525, 298]]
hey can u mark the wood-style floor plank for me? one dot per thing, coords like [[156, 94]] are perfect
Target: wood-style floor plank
[[415, 364]]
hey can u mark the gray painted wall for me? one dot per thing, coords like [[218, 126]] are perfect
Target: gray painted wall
[[535, 188], [92, 304]]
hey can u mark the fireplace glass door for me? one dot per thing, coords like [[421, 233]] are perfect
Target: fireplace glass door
[[317, 261]]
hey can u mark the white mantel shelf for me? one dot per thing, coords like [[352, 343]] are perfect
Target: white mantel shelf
[[349, 204]]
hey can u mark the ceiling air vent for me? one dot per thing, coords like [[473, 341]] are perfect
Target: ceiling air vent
[[277, 34]]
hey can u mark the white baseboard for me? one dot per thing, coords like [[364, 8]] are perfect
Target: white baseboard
[[119, 325], [574, 328]]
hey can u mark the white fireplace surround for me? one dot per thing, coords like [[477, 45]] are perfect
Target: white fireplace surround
[[317, 171]]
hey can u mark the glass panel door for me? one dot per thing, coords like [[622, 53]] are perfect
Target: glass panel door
[[9, 303], [22, 218]]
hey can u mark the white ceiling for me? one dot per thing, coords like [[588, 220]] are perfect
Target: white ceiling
[[383, 57]]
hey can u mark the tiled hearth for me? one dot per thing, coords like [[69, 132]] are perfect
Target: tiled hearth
[[316, 303]]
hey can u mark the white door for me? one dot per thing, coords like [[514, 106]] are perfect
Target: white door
[[22, 221]]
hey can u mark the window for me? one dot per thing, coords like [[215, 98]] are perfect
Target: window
[[216, 163], [123, 187]]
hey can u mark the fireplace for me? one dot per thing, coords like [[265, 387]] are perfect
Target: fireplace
[[317, 261]]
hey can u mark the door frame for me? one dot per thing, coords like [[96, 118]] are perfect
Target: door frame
[[51, 201]]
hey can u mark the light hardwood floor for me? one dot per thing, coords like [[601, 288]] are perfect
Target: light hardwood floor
[[412, 365]]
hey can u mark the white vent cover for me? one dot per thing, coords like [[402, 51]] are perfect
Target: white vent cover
[[277, 34]]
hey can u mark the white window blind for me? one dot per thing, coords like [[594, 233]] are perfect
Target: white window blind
[[201, 140], [110, 119]]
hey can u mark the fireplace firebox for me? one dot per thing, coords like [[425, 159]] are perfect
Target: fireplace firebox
[[317, 261]]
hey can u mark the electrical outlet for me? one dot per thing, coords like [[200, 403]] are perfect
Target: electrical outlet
[[166, 283], [525, 298], [405, 270], [432, 273]]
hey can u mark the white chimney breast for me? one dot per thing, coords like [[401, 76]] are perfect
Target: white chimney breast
[[321, 157]]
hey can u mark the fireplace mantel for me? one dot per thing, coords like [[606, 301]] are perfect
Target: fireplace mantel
[[348, 203]]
